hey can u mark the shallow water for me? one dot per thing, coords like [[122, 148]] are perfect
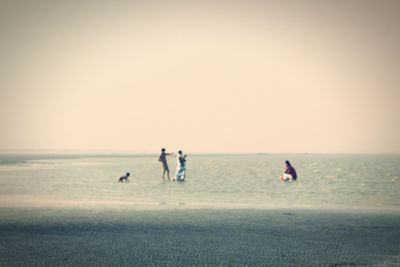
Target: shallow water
[[213, 181]]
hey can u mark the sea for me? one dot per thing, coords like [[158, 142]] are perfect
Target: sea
[[216, 181]]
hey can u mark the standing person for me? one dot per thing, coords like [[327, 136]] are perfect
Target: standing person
[[290, 173], [163, 160], [180, 167]]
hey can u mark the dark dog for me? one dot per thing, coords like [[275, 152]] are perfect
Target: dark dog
[[124, 178]]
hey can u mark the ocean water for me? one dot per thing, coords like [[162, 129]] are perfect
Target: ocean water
[[213, 181]]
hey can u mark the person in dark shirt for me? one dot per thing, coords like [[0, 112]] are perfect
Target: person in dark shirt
[[163, 160], [290, 173]]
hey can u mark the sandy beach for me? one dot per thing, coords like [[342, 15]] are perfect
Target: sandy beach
[[71, 211], [93, 237]]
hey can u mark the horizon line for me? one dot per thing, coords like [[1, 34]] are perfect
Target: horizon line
[[133, 152]]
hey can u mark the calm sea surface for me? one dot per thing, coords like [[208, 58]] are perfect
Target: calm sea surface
[[213, 181]]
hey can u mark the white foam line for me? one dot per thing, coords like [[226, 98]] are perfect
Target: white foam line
[[30, 202]]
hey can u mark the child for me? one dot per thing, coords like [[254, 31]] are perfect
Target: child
[[124, 178]]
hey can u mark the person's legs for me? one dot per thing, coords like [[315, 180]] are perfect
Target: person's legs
[[166, 170], [180, 174], [286, 177], [177, 173]]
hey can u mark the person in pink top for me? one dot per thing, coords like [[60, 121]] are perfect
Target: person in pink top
[[290, 173]]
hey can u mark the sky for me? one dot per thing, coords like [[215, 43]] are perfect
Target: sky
[[201, 76]]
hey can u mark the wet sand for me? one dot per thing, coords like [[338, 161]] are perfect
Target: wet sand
[[95, 237]]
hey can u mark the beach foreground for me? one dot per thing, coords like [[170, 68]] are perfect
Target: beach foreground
[[89, 237]]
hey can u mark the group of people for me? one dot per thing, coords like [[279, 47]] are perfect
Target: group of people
[[180, 174]]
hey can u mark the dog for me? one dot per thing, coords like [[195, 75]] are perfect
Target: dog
[[124, 178]]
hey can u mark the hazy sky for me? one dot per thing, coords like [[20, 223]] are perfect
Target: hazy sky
[[202, 76]]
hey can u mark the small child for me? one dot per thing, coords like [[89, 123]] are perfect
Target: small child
[[124, 178]]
